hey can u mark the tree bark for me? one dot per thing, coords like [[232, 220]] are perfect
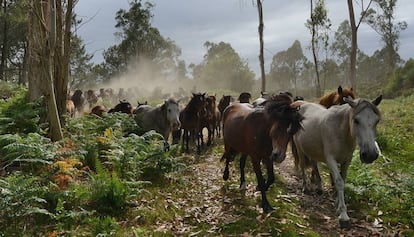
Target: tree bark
[[354, 46], [261, 56], [42, 33]]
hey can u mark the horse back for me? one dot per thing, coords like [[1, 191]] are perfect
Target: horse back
[[246, 130]]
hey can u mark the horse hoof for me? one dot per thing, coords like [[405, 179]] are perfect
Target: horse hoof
[[225, 175], [268, 209], [243, 186], [345, 224]]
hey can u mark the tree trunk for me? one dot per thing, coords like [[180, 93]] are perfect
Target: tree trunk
[[4, 48], [354, 46], [261, 56], [315, 58], [41, 41]]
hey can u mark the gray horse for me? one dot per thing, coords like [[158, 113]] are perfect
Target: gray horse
[[163, 118], [330, 136]]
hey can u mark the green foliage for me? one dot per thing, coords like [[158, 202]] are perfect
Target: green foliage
[[29, 152], [18, 115], [108, 193], [21, 202], [223, 68], [402, 81], [105, 226]]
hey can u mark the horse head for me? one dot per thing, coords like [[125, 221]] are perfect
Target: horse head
[[364, 126], [172, 111], [285, 122]]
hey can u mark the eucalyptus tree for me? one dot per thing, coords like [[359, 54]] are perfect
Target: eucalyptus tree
[[319, 25], [354, 37], [287, 67], [382, 20], [222, 68], [139, 42]]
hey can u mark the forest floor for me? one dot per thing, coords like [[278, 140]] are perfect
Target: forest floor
[[206, 205]]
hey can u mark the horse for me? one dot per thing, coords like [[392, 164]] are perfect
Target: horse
[[98, 110], [210, 118], [190, 118], [263, 133], [163, 118], [244, 97], [91, 98], [336, 97], [330, 136], [122, 107], [70, 108], [224, 102], [78, 100]]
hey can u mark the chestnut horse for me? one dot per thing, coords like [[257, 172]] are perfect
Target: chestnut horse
[[336, 97], [263, 133], [190, 118]]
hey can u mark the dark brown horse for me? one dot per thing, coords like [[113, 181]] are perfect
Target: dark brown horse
[[78, 100], [190, 118], [336, 97], [123, 107], [244, 97], [212, 116], [262, 133], [224, 102]]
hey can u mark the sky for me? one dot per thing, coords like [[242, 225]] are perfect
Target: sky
[[191, 23]]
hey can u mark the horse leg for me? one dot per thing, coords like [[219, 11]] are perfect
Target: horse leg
[[270, 173], [199, 140], [344, 220], [261, 184], [209, 135], [316, 177], [166, 145], [242, 176]]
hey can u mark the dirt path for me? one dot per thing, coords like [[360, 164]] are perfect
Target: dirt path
[[320, 209], [214, 203]]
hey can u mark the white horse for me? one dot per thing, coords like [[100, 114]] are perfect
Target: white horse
[[330, 136], [163, 118]]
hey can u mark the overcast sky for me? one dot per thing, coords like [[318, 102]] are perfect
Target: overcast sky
[[190, 23]]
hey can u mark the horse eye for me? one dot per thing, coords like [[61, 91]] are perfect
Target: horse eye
[[356, 121]]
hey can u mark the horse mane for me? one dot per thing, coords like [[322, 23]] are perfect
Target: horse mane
[[362, 104], [279, 109]]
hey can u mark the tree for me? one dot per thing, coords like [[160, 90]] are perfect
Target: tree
[[382, 21], [261, 55], [140, 43], [13, 40], [354, 38], [319, 25], [287, 67], [222, 68], [341, 48]]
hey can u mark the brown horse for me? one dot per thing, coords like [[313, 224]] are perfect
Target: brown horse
[[123, 107], [98, 110], [336, 97], [224, 102], [190, 118], [212, 115], [262, 133]]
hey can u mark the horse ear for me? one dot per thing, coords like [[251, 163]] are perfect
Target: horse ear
[[377, 101], [340, 89], [350, 101]]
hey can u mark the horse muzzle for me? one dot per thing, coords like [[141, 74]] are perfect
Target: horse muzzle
[[278, 157], [368, 157], [176, 125]]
